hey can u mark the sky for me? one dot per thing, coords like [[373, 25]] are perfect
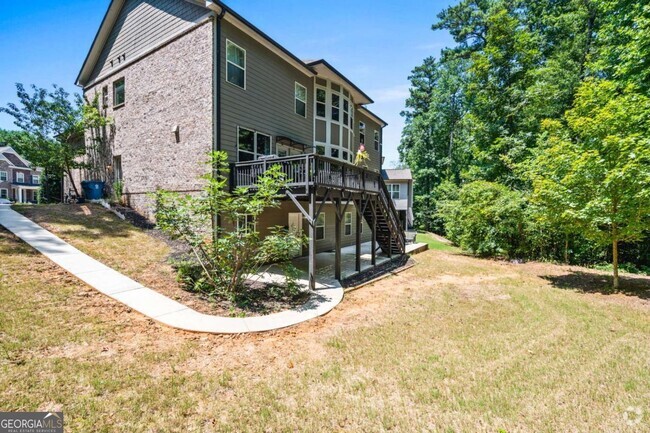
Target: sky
[[375, 43]]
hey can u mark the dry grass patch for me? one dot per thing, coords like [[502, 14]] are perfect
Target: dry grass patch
[[455, 344]]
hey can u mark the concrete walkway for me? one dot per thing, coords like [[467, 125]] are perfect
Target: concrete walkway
[[329, 293]]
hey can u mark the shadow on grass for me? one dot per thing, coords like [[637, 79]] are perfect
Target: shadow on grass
[[99, 223], [588, 282]]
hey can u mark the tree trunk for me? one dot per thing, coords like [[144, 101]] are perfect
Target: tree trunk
[[566, 248], [74, 186], [615, 263]]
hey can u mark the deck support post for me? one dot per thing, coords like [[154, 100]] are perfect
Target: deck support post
[[312, 241], [337, 240], [373, 207], [357, 265]]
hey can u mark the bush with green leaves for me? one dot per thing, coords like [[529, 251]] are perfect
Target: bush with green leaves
[[220, 228], [488, 219]]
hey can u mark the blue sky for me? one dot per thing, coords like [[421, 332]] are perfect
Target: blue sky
[[375, 43]]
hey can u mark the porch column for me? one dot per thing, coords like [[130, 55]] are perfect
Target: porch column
[[357, 266], [312, 241], [337, 241], [20, 195], [374, 233]]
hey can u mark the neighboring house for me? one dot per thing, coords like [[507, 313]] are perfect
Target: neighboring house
[[400, 187], [180, 78], [19, 181]]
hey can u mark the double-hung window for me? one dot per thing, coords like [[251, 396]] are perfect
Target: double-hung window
[[246, 223], [301, 99], [393, 189], [252, 145], [320, 226], [3, 176], [321, 102], [376, 140], [362, 133], [348, 223], [36, 179], [119, 93], [236, 64], [4, 193], [336, 107], [20, 178]]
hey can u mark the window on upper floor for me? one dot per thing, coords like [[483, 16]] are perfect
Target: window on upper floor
[[362, 133], [336, 107], [105, 97], [4, 176], [348, 223], [119, 92], [376, 140], [393, 189], [321, 102], [236, 64], [301, 99], [320, 226], [36, 179], [252, 144], [20, 178]]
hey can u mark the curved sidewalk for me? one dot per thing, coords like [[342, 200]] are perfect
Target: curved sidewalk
[[151, 303]]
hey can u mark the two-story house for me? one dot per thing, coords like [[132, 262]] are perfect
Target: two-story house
[[19, 180], [400, 188], [180, 78]]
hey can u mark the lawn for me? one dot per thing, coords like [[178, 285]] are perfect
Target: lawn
[[454, 344], [435, 242]]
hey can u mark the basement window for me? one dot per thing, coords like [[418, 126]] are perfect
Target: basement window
[[348, 223], [320, 227]]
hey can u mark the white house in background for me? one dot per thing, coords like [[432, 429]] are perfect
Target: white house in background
[[19, 181], [400, 188]]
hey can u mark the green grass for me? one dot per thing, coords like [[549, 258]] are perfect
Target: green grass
[[435, 244], [454, 344]]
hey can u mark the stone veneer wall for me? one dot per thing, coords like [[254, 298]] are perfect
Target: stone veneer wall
[[170, 87]]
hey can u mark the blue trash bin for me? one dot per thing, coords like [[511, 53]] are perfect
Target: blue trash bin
[[93, 189]]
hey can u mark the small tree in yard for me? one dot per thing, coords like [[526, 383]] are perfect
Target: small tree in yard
[[225, 255], [594, 169], [54, 128]]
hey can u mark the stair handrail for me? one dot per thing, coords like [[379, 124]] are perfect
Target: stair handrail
[[392, 214]]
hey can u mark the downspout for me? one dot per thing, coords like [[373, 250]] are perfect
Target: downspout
[[216, 100]]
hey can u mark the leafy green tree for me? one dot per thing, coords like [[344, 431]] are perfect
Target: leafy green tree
[[54, 126], [594, 168], [226, 255], [488, 219]]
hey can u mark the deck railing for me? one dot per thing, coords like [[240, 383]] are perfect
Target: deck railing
[[309, 170]]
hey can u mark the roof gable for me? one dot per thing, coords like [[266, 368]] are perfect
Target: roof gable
[[131, 28]]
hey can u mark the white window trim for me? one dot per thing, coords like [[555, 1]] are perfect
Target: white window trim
[[296, 98], [245, 68], [377, 139], [243, 220], [6, 193], [36, 179], [343, 128], [6, 176], [121, 104], [346, 223], [391, 190], [319, 226], [20, 176], [255, 134]]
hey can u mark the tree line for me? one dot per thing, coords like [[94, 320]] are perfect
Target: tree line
[[530, 137]]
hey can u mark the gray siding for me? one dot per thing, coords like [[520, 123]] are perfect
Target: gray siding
[[371, 126], [141, 26], [280, 217], [267, 103]]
